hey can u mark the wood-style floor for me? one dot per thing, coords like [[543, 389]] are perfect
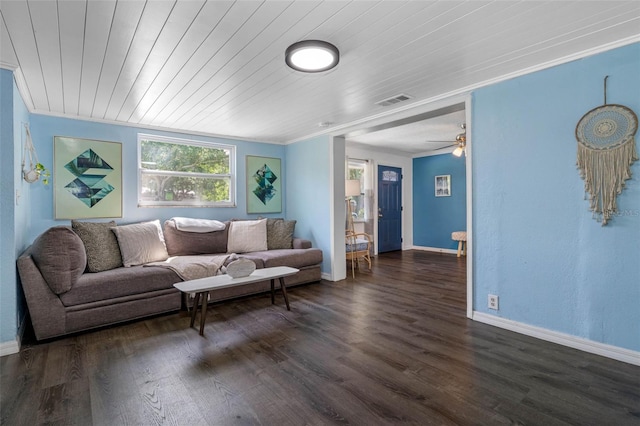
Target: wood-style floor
[[392, 346]]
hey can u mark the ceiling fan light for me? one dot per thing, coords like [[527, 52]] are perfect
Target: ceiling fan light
[[312, 56], [458, 151]]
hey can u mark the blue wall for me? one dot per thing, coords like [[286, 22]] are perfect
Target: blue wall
[[435, 218], [14, 219], [44, 128], [536, 245], [8, 316], [308, 195]]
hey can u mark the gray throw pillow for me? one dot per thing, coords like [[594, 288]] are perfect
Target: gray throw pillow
[[101, 245], [280, 233], [59, 255]]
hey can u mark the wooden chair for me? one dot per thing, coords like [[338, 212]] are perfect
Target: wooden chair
[[358, 246]]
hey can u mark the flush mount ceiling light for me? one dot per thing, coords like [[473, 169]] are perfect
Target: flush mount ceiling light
[[312, 56]]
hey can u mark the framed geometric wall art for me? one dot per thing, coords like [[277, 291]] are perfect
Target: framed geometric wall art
[[87, 178], [264, 185]]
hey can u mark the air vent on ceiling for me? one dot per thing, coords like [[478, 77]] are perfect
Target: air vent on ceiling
[[394, 100]]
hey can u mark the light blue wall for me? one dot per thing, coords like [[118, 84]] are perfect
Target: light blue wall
[[44, 128], [14, 219], [308, 194], [22, 213], [8, 315], [536, 245], [435, 218]]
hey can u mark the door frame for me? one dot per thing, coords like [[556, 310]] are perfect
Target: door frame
[[426, 108]]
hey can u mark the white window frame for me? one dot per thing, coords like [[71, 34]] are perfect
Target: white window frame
[[359, 164], [180, 141]]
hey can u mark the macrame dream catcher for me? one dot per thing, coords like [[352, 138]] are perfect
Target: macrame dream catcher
[[606, 150]]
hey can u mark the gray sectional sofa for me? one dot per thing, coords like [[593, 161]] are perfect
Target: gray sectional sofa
[[64, 296]]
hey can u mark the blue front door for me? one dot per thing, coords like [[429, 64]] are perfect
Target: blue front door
[[389, 209]]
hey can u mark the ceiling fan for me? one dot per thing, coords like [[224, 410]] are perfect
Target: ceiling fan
[[460, 142]]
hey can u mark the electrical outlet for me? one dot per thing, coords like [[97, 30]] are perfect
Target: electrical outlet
[[493, 302]]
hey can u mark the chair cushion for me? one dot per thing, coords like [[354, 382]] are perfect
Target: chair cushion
[[360, 245], [459, 236]]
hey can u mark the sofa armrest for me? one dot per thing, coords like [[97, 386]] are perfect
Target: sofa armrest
[[299, 243], [47, 312]]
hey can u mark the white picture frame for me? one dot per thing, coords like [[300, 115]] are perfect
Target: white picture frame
[[443, 186]]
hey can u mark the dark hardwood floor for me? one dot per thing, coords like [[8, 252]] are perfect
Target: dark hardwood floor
[[392, 346]]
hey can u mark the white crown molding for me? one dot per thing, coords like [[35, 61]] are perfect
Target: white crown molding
[[602, 349], [464, 91], [20, 83], [441, 151], [156, 128], [8, 66]]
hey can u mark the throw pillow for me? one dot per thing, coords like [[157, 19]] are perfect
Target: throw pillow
[[141, 243], [59, 255], [280, 233], [181, 243], [100, 243], [247, 236]]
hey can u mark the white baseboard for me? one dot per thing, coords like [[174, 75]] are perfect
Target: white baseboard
[[434, 249], [602, 349], [13, 347], [8, 348]]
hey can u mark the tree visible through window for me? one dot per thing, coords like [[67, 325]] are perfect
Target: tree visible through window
[[356, 171], [176, 172]]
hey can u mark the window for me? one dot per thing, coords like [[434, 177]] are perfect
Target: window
[[356, 170], [185, 173]]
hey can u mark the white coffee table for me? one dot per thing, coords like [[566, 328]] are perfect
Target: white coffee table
[[201, 287]]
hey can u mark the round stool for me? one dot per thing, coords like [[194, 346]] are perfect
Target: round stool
[[461, 238]]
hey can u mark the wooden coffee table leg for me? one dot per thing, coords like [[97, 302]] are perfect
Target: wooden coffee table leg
[[203, 311], [284, 293], [194, 309], [273, 291]]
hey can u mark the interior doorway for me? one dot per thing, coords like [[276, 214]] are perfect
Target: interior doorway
[[411, 134]]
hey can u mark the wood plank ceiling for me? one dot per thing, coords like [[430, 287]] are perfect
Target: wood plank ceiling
[[217, 67]]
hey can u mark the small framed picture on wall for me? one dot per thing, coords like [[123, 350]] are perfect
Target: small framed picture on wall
[[443, 186]]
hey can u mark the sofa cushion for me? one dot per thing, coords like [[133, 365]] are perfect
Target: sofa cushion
[[247, 236], [100, 243], [141, 243], [255, 257], [119, 282], [182, 243], [295, 258], [60, 256], [280, 233]]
